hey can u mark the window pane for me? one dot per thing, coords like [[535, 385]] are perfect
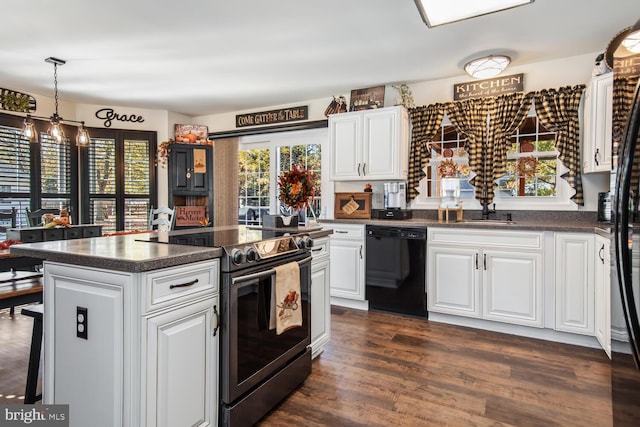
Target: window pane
[[15, 164], [254, 185], [55, 165], [103, 212], [136, 167], [136, 214], [102, 174]]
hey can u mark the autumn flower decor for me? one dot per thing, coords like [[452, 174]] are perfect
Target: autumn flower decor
[[296, 187]]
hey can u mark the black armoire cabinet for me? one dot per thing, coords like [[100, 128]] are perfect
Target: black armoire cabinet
[[191, 184]]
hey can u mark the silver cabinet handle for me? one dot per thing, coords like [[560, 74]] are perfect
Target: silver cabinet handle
[[484, 261], [360, 251], [340, 231], [358, 169], [183, 285], [476, 260], [364, 165], [215, 316]]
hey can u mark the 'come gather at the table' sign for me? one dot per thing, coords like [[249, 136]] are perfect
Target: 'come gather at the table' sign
[[281, 115]]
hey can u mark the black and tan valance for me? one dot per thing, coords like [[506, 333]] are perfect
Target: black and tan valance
[[488, 124]]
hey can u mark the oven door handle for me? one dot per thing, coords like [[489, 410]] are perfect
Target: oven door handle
[[260, 274]]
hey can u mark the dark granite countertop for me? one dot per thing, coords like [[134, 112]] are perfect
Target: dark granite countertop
[[585, 222], [118, 253], [128, 253]]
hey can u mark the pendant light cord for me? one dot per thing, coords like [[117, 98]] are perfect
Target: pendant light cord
[[55, 85]]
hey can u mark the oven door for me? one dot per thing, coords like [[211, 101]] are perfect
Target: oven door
[[251, 352]]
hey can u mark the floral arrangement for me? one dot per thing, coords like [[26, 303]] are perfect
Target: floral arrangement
[[526, 166], [163, 152], [448, 168], [296, 187], [406, 97]]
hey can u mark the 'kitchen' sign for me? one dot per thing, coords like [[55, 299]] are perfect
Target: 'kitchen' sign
[[274, 116], [489, 87]]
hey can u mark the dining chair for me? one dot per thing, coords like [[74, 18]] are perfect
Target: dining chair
[[161, 216], [7, 220], [34, 218]]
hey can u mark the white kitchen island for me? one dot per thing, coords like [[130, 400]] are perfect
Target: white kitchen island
[[130, 331]]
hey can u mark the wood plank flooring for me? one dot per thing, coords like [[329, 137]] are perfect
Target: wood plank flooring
[[387, 370], [381, 370]]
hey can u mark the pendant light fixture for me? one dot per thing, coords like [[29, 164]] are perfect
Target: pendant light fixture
[[55, 130], [487, 66]]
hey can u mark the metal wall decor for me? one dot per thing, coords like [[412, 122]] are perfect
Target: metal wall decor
[[11, 100]]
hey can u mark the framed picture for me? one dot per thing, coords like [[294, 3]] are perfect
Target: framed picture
[[367, 98], [191, 134], [352, 205]]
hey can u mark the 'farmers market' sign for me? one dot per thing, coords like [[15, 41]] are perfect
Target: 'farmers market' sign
[[489, 87], [282, 115]]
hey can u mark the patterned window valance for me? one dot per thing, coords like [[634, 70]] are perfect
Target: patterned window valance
[[488, 124]]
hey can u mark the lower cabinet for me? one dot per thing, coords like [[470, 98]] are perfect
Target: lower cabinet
[[575, 296], [602, 268], [347, 261], [320, 296], [147, 352], [182, 360], [490, 275]]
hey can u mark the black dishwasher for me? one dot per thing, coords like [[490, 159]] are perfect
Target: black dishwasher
[[396, 269]]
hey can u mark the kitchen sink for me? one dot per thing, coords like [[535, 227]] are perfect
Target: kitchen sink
[[486, 221]]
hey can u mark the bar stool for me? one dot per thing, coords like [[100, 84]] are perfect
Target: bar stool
[[35, 311]]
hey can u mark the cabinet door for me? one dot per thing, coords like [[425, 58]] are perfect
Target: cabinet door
[[182, 169], [320, 306], [345, 146], [454, 281], [574, 283], [512, 287], [603, 293], [598, 115], [347, 269], [381, 145], [182, 363], [79, 371], [179, 165]]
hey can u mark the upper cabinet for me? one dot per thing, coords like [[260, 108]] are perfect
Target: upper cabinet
[[598, 115], [191, 184], [369, 145]]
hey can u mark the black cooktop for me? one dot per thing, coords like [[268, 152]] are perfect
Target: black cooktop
[[217, 236]]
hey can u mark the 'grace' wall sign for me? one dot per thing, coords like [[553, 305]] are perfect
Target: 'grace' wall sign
[[108, 115]]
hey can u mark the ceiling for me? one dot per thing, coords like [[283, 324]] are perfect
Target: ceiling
[[200, 57]]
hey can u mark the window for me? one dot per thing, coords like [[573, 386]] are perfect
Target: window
[[261, 160], [449, 144], [120, 174], [533, 179], [35, 175], [532, 162]]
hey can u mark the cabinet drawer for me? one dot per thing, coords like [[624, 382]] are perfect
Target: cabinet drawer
[[53, 234], [347, 231], [514, 239], [92, 231], [179, 284], [25, 236], [72, 233], [320, 248]]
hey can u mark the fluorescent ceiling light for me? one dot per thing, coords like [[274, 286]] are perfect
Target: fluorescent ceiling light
[[438, 12]]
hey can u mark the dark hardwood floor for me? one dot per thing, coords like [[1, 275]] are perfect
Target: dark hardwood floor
[[381, 370], [386, 370]]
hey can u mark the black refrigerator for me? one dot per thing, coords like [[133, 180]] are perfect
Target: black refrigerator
[[625, 360]]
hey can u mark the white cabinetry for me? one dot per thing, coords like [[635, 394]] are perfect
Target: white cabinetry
[[150, 357], [603, 293], [347, 261], [320, 296], [574, 283], [492, 275], [598, 115], [369, 144]]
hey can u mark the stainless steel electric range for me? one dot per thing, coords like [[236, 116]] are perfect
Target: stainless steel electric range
[[258, 367]]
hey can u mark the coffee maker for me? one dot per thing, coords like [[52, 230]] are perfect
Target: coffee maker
[[395, 201]]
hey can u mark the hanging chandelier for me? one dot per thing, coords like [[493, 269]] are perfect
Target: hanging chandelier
[[55, 130]]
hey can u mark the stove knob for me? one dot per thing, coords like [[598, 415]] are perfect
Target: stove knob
[[309, 241], [237, 257], [251, 255], [304, 242]]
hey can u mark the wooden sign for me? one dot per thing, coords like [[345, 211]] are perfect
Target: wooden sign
[[282, 115], [11, 100], [367, 98], [627, 67], [352, 205], [489, 87], [191, 216]]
